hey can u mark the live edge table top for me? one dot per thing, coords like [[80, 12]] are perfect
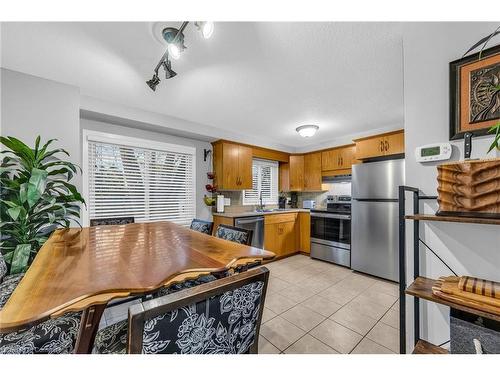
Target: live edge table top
[[78, 268]]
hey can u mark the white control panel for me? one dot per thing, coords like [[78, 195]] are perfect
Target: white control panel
[[433, 152]]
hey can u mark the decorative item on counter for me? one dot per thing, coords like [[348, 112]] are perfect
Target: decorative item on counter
[[209, 201], [220, 203], [294, 199], [474, 90]]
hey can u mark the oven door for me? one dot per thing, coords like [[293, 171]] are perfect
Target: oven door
[[338, 230], [317, 226]]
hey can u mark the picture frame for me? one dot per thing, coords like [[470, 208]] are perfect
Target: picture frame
[[474, 107]]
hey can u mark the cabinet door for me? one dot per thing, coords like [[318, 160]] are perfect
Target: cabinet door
[[370, 148], [312, 172], [304, 219], [271, 239], [244, 167], [296, 172], [230, 166], [394, 144], [330, 160], [284, 177], [288, 242], [347, 157]]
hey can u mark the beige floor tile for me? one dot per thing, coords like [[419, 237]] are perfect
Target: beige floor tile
[[338, 294], [267, 315], [280, 332], [367, 346], [276, 284], [391, 318], [297, 293], [395, 307], [336, 336], [278, 303], [309, 345], [303, 318], [385, 335], [387, 287], [354, 320], [265, 347], [368, 306], [316, 284], [321, 305], [382, 299]]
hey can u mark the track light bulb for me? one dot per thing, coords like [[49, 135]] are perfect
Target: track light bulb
[[174, 51], [206, 28], [153, 82]]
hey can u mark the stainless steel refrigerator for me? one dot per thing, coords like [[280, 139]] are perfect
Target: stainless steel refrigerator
[[375, 227]]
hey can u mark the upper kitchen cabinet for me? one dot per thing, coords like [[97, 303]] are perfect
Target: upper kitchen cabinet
[[312, 172], [338, 158], [296, 171], [232, 166], [380, 145]]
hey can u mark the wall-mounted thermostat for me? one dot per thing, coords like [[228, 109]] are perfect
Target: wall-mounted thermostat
[[433, 152]]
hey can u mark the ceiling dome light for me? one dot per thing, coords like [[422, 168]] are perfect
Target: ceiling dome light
[[206, 28], [307, 131]]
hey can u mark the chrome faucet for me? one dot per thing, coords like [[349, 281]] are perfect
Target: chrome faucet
[[261, 206]]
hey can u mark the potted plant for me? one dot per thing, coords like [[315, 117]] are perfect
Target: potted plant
[[36, 199]]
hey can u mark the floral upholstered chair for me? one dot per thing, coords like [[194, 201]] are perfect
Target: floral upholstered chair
[[234, 234], [221, 317], [112, 221], [202, 226], [53, 336]]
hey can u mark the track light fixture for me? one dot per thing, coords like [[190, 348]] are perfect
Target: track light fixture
[[175, 46]]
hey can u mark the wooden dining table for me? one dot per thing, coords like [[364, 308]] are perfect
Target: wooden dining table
[[83, 269]]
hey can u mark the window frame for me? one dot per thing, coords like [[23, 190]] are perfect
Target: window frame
[[274, 164], [121, 140]]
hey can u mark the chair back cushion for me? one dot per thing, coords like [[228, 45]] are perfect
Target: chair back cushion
[[3, 267], [202, 226], [238, 235], [222, 320], [53, 336], [111, 221]]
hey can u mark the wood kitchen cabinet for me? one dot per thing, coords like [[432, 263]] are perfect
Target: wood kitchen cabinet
[[296, 171], [380, 145], [280, 233], [338, 158], [312, 172], [232, 166]]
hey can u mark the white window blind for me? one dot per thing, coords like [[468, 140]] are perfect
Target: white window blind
[[264, 181], [146, 183]]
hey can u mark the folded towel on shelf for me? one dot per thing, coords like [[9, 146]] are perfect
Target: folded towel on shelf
[[486, 288]]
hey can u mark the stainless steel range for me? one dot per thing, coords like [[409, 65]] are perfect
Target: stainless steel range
[[331, 231]]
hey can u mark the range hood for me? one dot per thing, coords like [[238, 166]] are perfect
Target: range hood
[[337, 178]]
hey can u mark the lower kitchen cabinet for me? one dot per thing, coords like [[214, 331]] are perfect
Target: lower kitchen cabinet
[[221, 220], [280, 234]]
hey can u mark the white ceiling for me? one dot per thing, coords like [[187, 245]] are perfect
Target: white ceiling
[[259, 79]]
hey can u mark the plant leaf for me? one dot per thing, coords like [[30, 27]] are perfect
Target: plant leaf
[[20, 258], [14, 212]]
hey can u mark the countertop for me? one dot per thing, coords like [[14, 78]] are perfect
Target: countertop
[[253, 213]]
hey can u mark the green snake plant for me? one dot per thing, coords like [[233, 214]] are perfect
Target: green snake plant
[[36, 199]]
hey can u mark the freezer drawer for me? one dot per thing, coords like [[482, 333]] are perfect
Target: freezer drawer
[[374, 243], [331, 254]]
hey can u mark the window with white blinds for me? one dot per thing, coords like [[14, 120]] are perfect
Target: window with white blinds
[[150, 181], [264, 181]]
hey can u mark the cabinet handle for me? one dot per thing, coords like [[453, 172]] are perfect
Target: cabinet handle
[[386, 146], [381, 146]]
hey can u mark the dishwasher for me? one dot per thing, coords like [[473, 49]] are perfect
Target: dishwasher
[[256, 224]]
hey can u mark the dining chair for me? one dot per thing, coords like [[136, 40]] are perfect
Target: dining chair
[[202, 226], [234, 234], [111, 221], [220, 317], [53, 336]]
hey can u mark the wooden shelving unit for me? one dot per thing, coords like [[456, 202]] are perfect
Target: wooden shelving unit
[[425, 347], [422, 288], [455, 219]]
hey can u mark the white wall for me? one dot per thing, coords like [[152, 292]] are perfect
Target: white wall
[[32, 106], [468, 248], [202, 167]]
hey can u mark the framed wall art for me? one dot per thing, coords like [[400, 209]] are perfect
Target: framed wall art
[[475, 93]]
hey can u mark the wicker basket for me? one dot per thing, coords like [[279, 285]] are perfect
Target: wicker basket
[[469, 188]]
